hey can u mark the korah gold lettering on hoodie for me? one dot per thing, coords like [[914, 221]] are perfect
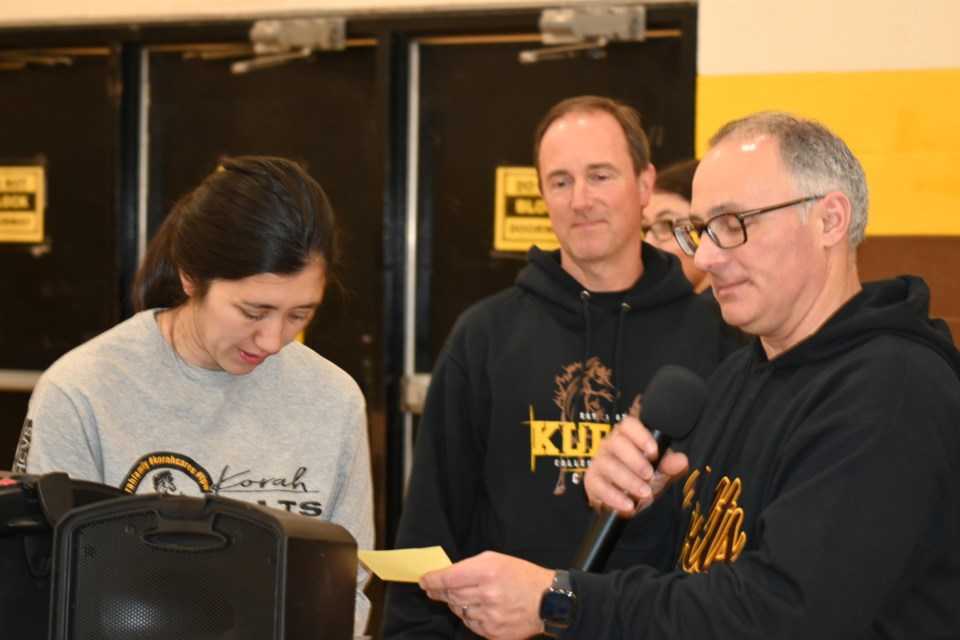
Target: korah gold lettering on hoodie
[[717, 535], [585, 396]]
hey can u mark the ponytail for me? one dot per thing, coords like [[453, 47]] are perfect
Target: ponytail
[[157, 284]]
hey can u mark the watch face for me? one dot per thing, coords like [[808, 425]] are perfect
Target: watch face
[[558, 606]]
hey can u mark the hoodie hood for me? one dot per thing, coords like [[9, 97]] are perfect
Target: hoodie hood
[[605, 313], [899, 306], [662, 283]]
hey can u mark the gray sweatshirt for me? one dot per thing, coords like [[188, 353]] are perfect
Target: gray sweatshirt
[[123, 409]]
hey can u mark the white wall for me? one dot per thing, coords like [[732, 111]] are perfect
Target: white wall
[[783, 36]]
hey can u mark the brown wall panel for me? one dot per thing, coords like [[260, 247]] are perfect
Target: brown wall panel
[[935, 258]]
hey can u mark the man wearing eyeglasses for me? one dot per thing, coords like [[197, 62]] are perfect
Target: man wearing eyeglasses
[[819, 494]]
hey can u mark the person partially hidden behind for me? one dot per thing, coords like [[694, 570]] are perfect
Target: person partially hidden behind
[[824, 496], [669, 206], [205, 390], [531, 379]]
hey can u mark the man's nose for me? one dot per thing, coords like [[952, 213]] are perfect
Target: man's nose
[[580, 195], [708, 255]]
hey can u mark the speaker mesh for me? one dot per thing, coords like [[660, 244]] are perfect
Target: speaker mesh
[[116, 581]]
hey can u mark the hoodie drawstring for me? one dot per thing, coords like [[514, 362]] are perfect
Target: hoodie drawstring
[[617, 344], [585, 300]]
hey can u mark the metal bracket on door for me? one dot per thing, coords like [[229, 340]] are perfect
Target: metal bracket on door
[[279, 41], [19, 60], [586, 30]]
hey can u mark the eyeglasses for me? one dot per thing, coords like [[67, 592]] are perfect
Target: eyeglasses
[[662, 230], [727, 230]]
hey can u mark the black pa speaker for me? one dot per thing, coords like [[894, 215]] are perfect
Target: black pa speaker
[[158, 567], [30, 507]]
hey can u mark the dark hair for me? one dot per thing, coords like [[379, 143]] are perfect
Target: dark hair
[[677, 179], [817, 159], [253, 215], [629, 119]]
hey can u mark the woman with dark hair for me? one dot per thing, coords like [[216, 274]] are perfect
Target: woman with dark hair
[[205, 389], [669, 205]]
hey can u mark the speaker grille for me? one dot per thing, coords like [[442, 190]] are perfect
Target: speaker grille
[[127, 588]]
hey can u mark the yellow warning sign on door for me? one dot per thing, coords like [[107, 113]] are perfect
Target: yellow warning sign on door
[[22, 191], [521, 218]]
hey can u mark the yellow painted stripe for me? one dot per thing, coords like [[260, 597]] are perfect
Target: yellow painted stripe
[[903, 126]]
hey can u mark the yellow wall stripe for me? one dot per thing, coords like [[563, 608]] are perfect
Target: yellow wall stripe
[[903, 126]]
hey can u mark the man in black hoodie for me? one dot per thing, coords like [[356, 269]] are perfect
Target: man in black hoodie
[[824, 496], [531, 379]]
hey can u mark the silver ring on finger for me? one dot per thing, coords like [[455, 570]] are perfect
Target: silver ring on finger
[[464, 610]]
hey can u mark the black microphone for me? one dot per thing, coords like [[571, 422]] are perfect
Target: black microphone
[[671, 406]]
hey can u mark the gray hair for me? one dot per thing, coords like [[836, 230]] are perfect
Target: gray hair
[[817, 159]]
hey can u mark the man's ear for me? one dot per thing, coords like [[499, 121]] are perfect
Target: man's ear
[[645, 182], [189, 286], [835, 214]]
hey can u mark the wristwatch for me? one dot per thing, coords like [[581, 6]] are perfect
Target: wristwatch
[[558, 604]]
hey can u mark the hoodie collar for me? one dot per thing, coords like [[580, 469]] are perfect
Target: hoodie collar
[[900, 306], [662, 282]]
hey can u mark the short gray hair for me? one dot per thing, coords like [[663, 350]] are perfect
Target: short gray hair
[[817, 159]]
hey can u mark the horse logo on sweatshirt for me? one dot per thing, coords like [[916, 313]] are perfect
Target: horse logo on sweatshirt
[[585, 396]]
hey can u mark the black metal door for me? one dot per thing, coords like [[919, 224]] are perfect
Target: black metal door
[[478, 109], [320, 112], [60, 112]]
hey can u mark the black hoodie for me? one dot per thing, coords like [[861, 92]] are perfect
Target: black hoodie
[[824, 497], [528, 383]]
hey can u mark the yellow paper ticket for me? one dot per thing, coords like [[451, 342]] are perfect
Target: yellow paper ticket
[[404, 565]]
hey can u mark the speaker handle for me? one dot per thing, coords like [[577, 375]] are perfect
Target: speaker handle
[[184, 525], [55, 491]]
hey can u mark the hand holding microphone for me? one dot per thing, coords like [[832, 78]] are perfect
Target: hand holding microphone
[[671, 406]]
